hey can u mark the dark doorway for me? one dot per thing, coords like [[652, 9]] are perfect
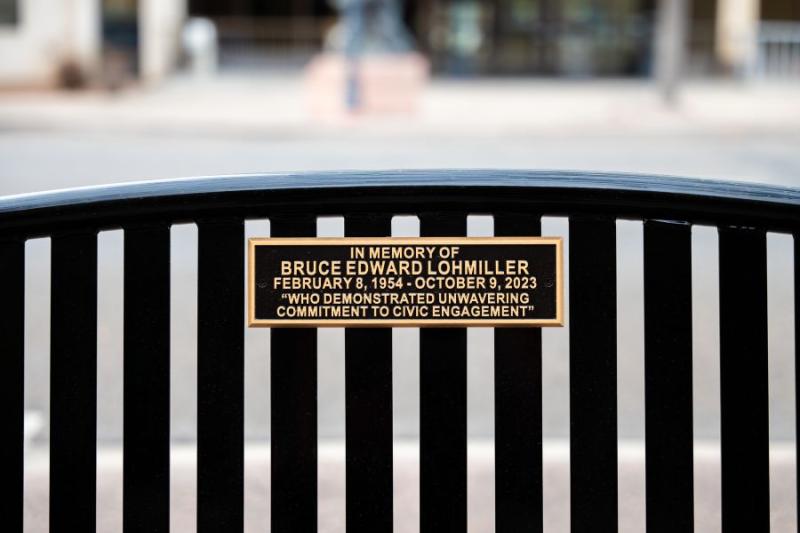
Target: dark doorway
[[577, 38], [254, 32], [780, 10], [120, 31]]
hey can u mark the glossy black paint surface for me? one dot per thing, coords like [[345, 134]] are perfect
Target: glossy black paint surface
[[443, 409], [518, 411], [593, 374], [73, 382], [146, 374], [471, 191], [668, 377], [517, 199], [368, 410], [293, 404]]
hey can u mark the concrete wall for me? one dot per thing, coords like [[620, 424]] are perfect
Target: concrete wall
[[160, 24], [51, 33], [737, 33], [48, 35]]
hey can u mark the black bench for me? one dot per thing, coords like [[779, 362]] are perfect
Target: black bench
[[743, 213]]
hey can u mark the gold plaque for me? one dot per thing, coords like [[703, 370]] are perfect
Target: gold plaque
[[405, 282]]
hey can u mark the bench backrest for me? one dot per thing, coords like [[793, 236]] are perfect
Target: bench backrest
[[442, 200]]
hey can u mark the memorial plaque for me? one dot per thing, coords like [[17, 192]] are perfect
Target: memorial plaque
[[423, 282]]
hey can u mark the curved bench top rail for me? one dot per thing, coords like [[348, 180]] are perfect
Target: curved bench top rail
[[552, 193]]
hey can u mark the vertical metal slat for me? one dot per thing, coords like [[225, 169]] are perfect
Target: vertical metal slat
[[73, 381], [796, 237], [668, 377], [368, 389], [744, 398], [518, 411], [220, 372], [593, 374], [293, 401], [12, 374], [443, 410], [146, 405]]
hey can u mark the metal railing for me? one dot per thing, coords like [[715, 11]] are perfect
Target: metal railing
[[743, 213], [778, 50]]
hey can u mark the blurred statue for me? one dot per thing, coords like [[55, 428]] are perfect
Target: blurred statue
[[368, 27], [368, 65]]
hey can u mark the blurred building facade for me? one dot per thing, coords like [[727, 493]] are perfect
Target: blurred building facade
[[65, 41], [69, 42]]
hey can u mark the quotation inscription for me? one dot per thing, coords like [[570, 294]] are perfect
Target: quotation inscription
[[423, 282]]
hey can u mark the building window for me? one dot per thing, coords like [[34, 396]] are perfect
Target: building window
[[9, 12]]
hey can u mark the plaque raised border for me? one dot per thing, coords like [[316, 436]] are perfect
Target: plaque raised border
[[252, 321]]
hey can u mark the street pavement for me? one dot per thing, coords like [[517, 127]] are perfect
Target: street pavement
[[250, 124]]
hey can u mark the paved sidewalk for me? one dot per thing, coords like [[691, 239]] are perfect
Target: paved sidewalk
[[276, 105]]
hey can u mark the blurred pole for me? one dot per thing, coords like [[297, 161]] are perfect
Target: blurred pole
[[670, 51], [200, 43], [736, 39], [160, 25], [354, 16]]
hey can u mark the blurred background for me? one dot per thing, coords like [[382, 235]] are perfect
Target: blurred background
[[103, 91], [89, 42]]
